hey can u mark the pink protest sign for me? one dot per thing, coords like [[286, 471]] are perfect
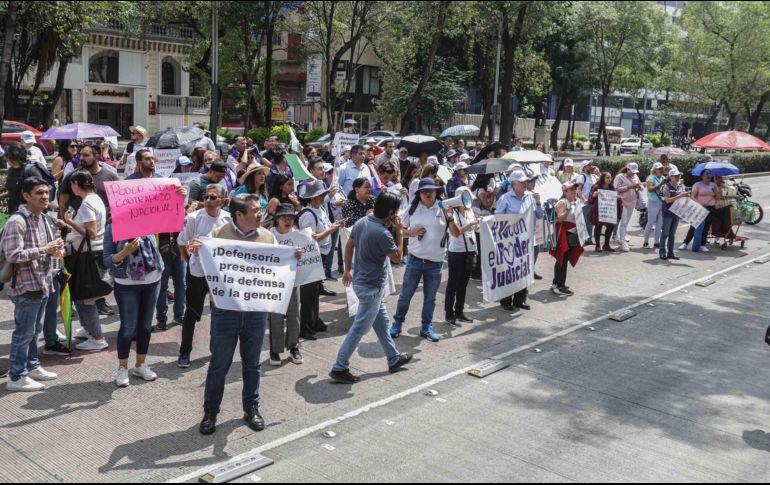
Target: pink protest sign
[[145, 206]]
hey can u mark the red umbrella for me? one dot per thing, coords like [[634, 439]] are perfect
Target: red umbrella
[[731, 140]]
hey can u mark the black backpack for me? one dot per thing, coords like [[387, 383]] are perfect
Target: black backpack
[[34, 169]]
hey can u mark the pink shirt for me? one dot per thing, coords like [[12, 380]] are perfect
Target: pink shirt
[[624, 184], [705, 194]]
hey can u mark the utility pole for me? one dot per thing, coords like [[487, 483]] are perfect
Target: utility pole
[[495, 104], [214, 120]]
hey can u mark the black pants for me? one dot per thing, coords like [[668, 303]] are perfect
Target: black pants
[[459, 275], [517, 299], [706, 228], [607, 235], [197, 289], [560, 270], [477, 269], [309, 311]]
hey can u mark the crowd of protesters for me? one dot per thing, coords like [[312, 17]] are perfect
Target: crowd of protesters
[[382, 198]]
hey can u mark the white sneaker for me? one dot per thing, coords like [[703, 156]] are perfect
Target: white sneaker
[[121, 380], [683, 247], [628, 240], [41, 374], [60, 336], [704, 249], [144, 372], [25, 384], [81, 334], [625, 248], [92, 344]]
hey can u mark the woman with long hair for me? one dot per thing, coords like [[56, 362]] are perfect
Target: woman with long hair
[[66, 152], [605, 183], [253, 182], [705, 193], [282, 192], [198, 157], [360, 202]]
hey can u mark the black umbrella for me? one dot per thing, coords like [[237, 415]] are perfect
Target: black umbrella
[[175, 137], [417, 144], [490, 166], [494, 147]]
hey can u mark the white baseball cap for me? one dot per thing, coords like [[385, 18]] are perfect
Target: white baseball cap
[[28, 137], [657, 166], [464, 157], [569, 163], [633, 167], [518, 176], [674, 172], [460, 166], [433, 160]]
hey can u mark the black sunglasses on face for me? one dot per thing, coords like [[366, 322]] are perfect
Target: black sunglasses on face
[[211, 197]]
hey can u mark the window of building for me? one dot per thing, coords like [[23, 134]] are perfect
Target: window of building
[[371, 80], [104, 68], [170, 77]]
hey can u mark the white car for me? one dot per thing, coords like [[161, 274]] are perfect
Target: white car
[[636, 146]]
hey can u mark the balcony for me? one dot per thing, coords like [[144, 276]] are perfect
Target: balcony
[[152, 32], [183, 105]]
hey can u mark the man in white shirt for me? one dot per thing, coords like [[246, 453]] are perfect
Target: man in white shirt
[[139, 138], [199, 224], [34, 154]]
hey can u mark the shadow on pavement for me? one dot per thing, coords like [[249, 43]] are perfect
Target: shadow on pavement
[[757, 439]]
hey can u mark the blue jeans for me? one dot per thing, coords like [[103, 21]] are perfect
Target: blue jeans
[[227, 328], [587, 216], [668, 236], [654, 219], [430, 272], [89, 318], [28, 315], [371, 313], [136, 305], [330, 258], [177, 269], [49, 327]]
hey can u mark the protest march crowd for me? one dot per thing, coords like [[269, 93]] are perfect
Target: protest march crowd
[[259, 233]]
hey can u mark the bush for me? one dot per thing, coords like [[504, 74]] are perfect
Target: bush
[[314, 134], [579, 138], [685, 164], [659, 140], [756, 162], [229, 137], [259, 135]]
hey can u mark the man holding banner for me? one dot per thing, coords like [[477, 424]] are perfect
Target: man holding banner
[[229, 326], [517, 201]]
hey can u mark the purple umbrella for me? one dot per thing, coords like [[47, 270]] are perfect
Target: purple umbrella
[[76, 131]]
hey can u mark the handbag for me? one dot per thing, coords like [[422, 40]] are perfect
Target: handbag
[[89, 279]]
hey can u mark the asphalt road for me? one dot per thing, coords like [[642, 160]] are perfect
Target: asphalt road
[[677, 393]]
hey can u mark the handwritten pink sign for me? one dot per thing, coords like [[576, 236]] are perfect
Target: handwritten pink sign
[[145, 206]]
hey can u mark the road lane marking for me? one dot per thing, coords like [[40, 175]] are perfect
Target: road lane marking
[[303, 433]]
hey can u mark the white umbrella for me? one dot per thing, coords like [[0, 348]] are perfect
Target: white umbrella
[[528, 156], [461, 130]]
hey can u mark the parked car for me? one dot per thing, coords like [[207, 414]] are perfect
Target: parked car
[[380, 135], [321, 142], [12, 131], [636, 146]]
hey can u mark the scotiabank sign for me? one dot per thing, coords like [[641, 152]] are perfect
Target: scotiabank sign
[[111, 93]]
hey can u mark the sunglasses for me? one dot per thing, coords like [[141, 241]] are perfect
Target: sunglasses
[[211, 197], [72, 146]]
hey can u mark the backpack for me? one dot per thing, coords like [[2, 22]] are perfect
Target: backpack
[[306, 211], [34, 170]]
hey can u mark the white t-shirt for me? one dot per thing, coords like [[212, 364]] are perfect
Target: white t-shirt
[[197, 225], [307, 220], [466, 243], [92, 209], [149, 279], [435, 224], [588, 181], [35, 155]]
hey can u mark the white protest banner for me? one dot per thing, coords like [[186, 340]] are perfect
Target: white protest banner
[[245, 276], [580, 223], [689, 211], [310, 268], [396, 190], [165, 160], [130, 165], [185, 178], [351, 295], [342, 139], [507, 254], [608, 206]]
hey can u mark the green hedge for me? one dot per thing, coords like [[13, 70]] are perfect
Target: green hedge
[[314, 134], [747, 162], [259, 135]]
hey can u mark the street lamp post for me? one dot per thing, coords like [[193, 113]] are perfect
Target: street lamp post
[[495, 107], [214, 120]]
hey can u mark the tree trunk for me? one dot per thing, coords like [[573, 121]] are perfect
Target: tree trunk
[[270, 32], [53, 99], [755, 115], [30, 101], [510, 44], [713, 116], [409, 120], [5, 59], [557, 123], [603, 125]]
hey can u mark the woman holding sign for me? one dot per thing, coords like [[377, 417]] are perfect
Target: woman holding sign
[[137, 267], [605, 183], [670, 193], [462, 257], [568, 249], [427, 224]]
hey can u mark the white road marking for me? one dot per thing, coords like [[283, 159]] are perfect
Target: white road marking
[[303, 433]]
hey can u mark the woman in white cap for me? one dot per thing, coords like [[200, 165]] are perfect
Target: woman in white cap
[[672, 191], [628, 185], [461, 259], [567, 173], [654, 183], [460, 179], [568, 249], [427, 225]]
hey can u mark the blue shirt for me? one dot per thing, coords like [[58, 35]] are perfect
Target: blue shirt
[[373, 242], [510, 203], [349, 173]]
